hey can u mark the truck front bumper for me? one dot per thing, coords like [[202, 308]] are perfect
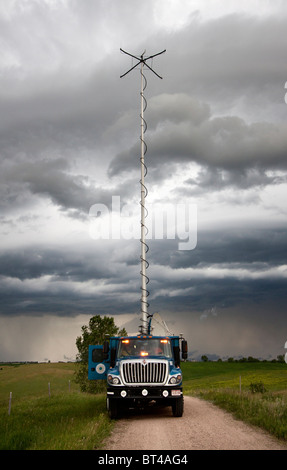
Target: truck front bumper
[[145, 393]]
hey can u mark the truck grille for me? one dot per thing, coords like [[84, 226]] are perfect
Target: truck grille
[[144, 372]]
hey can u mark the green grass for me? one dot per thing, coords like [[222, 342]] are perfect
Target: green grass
[[28, 380], [267, 410], [219, 382], [74, 422], [67, 420], [225, 375]]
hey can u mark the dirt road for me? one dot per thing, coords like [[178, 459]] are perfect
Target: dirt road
[[202, 427]]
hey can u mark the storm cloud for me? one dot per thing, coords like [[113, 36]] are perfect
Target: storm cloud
[[216, 138]]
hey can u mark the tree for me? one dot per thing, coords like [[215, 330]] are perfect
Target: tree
[[281, 358], [99, 329]]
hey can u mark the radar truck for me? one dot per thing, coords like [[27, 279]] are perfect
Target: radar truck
[[140, 370]]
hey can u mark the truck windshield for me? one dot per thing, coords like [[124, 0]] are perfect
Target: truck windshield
[[144, 347]]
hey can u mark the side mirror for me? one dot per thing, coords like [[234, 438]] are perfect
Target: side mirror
[[184, 349], [176, 356], [106, 349]]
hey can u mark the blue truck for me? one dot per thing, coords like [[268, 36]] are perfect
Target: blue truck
[[140, 370]]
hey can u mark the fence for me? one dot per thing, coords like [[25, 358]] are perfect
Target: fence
[[49, 394]]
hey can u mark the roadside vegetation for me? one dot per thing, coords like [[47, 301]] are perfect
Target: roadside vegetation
[[255, 392]]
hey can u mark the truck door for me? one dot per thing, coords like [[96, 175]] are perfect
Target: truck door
[[98, 366]]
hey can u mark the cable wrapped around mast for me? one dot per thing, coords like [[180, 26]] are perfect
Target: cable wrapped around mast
[[144, 211]]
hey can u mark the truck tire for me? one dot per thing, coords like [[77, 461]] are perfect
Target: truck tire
[[177, 407], [113, 408]]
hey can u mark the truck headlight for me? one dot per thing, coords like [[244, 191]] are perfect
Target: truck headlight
[[175, 379], [113, 380]]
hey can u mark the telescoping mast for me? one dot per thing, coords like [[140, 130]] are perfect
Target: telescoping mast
[[142, 61]]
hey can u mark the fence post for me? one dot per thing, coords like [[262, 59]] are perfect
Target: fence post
[[10, 403], [49, 389]]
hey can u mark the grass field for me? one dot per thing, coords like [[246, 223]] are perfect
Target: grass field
[[65, 420], [71, 420], [226, 375]]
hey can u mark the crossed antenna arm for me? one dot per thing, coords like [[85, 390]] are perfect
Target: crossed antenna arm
[[142, 60]]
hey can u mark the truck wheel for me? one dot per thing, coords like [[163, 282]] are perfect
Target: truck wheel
[[113, 408], [177, 407]]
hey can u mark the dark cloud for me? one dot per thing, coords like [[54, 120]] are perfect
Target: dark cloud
[[219, 179], [248, 247], [227, 143], [223, 270], [50, 178], [233, 58]]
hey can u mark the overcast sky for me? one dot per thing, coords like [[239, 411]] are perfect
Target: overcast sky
[[216, 141]]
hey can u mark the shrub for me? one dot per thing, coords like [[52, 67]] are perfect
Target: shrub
[[257, 387]]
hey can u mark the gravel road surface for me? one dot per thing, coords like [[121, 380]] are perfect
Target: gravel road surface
[[203, 426]]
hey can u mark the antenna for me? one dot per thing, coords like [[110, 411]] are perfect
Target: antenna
[[144, 247], [162, 324]]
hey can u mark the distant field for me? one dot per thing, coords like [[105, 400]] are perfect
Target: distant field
[[226, 375], [72, 420], [28, 380]]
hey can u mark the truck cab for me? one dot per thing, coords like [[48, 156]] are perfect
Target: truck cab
[[140, 370]]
